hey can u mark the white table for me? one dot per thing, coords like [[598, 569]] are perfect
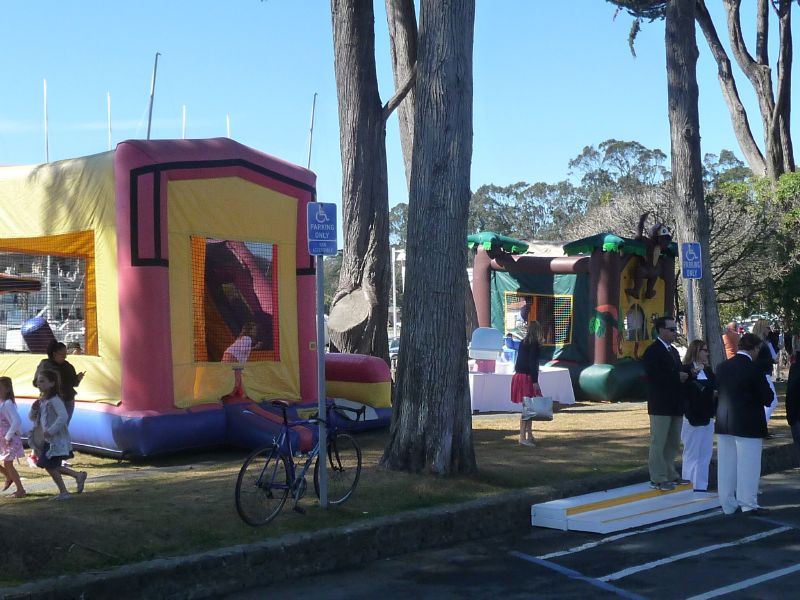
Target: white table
[[492, 391]]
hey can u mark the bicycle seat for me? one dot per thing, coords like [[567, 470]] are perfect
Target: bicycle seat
[[280, 403]]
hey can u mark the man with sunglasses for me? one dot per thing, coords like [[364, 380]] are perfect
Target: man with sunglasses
[[665, 402]]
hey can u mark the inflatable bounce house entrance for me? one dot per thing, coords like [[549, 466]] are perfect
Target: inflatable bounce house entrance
[[165, 263], [595, 305]]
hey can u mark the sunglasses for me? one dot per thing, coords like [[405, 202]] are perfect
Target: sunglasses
[[670, 328]]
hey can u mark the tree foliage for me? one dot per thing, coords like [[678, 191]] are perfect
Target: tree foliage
[[617, 167], [398, 224], [748, 223]]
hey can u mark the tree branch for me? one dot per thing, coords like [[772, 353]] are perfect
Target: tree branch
[[783, 104], [762, 32], [400, 94], [739, 120]]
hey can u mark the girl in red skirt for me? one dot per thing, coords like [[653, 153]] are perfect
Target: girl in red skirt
[[526, 377]]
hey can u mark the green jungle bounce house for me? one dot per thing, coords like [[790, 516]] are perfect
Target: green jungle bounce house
[[596, 304]]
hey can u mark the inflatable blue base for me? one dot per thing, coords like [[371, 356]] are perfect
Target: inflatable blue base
[[243, 424]]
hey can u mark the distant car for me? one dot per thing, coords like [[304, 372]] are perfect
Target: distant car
[[394, 347]]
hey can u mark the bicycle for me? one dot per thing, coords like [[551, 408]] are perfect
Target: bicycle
[[270, 473]]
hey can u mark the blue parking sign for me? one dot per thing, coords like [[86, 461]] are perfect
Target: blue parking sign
[[691, 261], [321, 228]]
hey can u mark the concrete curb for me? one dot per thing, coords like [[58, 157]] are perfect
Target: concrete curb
[[237, 568]]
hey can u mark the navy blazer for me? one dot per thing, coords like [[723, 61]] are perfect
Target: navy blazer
[[793, 394], [665, 393], [743, 394]]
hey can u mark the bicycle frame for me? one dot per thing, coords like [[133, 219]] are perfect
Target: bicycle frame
[[283, 470], [284, 444]]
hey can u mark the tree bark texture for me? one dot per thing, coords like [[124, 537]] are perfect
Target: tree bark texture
[[402, 19], [360, 308], [690, 210], [431, 426]]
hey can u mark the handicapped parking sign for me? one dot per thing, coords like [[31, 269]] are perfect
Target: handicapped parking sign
[[691, 262], [321, 229]]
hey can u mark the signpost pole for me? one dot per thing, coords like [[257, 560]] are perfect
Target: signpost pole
[[323, 444], [322, 238], [689, 310]]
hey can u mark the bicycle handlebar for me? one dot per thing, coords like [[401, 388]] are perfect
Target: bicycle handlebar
[[330, 406]]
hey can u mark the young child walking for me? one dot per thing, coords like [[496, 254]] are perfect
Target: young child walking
[[50, 435], [10, 441]]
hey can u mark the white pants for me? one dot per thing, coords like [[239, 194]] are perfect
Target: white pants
[[738, 471], [698, 445], [768, 410]]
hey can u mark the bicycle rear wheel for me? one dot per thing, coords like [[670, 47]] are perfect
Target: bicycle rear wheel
[[344, 468], [262, 486]]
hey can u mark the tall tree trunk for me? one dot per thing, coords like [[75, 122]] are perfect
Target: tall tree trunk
[[360, 308], [431, 426], [690, 214], [783, 106], [402, 19]]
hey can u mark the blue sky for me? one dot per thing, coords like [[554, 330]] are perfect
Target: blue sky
[[546, 82]]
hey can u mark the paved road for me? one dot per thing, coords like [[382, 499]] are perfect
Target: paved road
[[700, 556]]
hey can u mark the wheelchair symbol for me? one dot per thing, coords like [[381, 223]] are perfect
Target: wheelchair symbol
[[689, 254], [321, 216]]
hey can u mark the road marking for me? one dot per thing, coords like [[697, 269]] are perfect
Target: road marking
[[705, 549], [735, 587], [578, 576], [619, 536]]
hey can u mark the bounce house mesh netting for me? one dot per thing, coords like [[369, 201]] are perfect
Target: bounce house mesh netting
[[64, 297], [235, 300], [554, 314]]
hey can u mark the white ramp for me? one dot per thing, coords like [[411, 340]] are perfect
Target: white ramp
[[622, 508]]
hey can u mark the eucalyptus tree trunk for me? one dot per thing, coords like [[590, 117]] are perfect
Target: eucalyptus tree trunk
[[360, 306], [431, 424], [690, 209], [402, 20]]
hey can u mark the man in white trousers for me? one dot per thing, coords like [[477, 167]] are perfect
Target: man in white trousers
[[741, 427]]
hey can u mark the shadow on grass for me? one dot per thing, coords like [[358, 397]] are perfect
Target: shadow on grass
[[183, 504]]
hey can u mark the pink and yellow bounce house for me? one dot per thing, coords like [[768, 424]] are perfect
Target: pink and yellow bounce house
[[154, 261]]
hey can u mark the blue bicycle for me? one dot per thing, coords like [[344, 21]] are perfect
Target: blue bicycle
[[270, 474]]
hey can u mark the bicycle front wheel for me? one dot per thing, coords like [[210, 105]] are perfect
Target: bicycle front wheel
[[262, 486], [344, 468]]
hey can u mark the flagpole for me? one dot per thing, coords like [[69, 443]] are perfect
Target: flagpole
[[152, 95], [311, 130], [108, 97], [183, 123], [228, 125], [46, 136]]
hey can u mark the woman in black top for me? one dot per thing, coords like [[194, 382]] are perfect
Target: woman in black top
[[697, 433], [525, 382]]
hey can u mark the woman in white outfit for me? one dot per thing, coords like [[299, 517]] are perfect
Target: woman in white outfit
[[766, 360], [697, 432]]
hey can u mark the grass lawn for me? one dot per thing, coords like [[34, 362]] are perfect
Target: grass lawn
[[133, 511]]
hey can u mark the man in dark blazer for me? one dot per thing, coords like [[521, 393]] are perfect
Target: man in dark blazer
[[665, 391], [741, 427]]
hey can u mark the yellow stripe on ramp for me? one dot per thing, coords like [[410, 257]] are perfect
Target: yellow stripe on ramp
[[575, 510]]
